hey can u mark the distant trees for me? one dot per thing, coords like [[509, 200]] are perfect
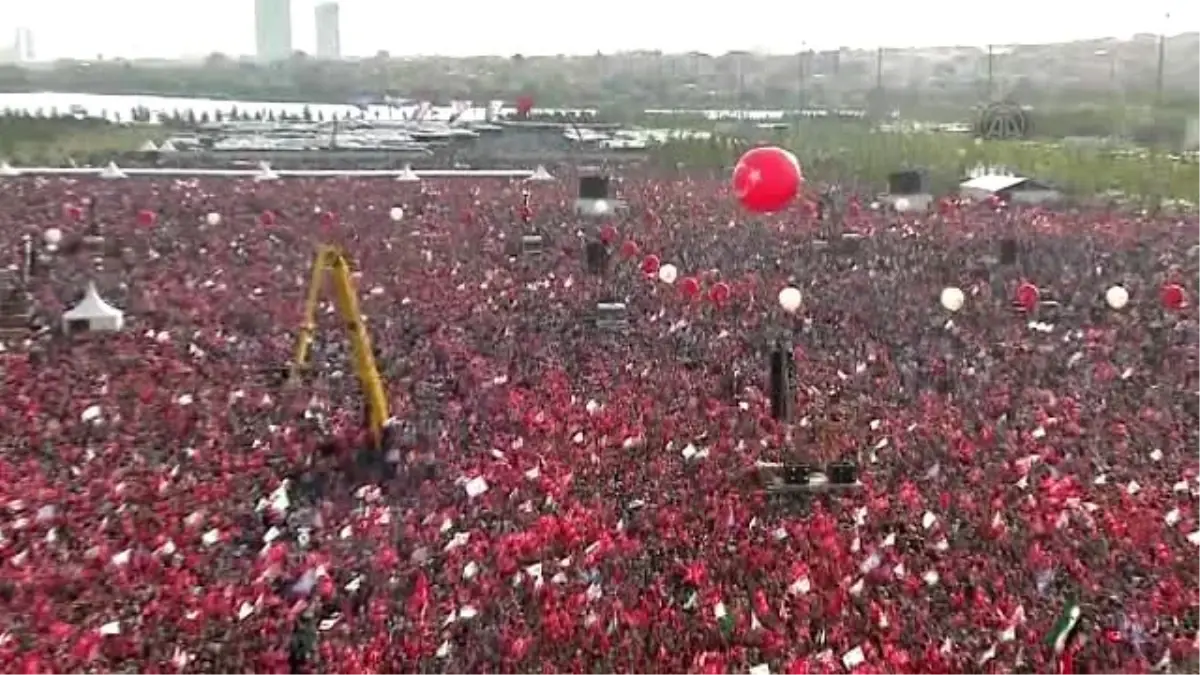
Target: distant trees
[[647, 79]]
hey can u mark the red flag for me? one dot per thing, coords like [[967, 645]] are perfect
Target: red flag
[[524, 106]]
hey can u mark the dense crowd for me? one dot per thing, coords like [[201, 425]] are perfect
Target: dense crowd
[[571, 499]]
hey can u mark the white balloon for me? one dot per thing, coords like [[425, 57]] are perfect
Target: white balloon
[[953, 298], [52, 236], [790, 299], [213, 218], [668, 273], [1116, 297], [397, 214]]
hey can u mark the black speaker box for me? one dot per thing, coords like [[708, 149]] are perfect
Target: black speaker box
[[1008, 251], [781, 384], [906, 183], [596, 254], [533, 244], [593, 187], [843, 473]]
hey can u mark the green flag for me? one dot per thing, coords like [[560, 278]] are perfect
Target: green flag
[[1064, 628]]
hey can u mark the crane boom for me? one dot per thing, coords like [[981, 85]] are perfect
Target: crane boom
[[332, 261]]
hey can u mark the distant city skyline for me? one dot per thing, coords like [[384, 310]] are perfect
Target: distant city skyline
[[171, 30], [327, 17], [273, 30]]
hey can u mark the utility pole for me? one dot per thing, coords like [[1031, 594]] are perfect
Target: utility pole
[[879, 69], [1160, 75], [991, 72], [801, 84]]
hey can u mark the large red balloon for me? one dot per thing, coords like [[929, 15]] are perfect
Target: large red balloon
[[146, 218], [767, 179], [1028, 296], [650, 264], [1172, 296]]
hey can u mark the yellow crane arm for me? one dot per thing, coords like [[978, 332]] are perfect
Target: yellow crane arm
[[330, 260]]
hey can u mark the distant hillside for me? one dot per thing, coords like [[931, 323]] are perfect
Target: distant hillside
[[1104, 72]]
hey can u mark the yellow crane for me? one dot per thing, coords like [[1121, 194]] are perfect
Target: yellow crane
[[333, 262]]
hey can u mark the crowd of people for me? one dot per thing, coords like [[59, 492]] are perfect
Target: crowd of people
[[575, 499]]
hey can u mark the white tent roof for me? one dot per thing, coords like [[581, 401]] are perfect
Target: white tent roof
[[408, 175], [148, 146], [265, 172], [540, 175], [112, 172], [99, 314], [7, 170], [992, 183], [168, 147]]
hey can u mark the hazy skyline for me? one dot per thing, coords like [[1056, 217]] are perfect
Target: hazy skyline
[[175, 29]]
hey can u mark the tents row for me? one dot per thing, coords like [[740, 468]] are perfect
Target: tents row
[[264, 172]]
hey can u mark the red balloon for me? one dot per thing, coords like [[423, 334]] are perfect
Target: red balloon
[[629, 249], [146, 217], [650, 264], [767, 179], [1173, 296], [329, 219], [719, 293], [608, 234], [267, 218], [1028, 295], [690, 287]]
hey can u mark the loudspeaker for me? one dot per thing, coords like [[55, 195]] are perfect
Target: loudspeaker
[[532, 244], [596, 254], [906, 183], [1008, 251], [610, 315], [781, 383], [593, 187], [797, 474], [843, 473]]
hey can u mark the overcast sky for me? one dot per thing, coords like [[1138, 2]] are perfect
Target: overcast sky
[[178, 28]]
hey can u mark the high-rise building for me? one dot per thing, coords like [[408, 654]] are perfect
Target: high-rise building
[[21, 48], [329, 40], [273, 29], [23, 45]]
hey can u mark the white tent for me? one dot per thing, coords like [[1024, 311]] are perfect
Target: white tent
[[148, 146], [92, 314], [265, 172], [168, 147], [7, 171], [540, 175], [112, 172], [408, 175]]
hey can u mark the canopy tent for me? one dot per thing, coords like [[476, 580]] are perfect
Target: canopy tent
[[408, 175], [92, 313], [112, 172], [1010, 188], [541, 175]]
